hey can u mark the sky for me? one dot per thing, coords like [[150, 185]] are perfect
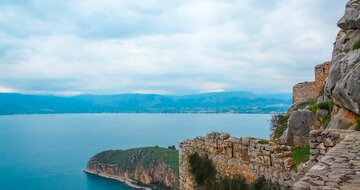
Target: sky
[[165, 47]]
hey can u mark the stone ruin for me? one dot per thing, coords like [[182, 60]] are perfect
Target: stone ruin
[[310, 90]]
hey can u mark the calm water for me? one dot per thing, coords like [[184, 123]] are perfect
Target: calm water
[[49, 152]]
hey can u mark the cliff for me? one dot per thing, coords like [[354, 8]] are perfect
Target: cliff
[[343, 84], [156, 168]]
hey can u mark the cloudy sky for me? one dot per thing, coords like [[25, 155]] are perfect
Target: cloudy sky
[[163, 46]]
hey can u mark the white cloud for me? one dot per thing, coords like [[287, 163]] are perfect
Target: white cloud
[[167, 47]]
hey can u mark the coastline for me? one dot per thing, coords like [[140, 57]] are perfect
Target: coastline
[[117, 178]]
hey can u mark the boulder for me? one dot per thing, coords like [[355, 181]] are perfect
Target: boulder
[[299, 125]]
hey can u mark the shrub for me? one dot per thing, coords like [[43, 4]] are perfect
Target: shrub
[[313, 107], [300, 154], [172, 147], [202, 168], [204, 173], [326, 105], [278, 120], [356, 45], [237, 183], [279, 131], [278, 124], [357, 128], [262, 184]]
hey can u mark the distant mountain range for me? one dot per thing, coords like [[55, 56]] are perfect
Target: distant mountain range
[[222, 102]]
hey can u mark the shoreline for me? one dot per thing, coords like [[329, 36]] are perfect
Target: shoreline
[[117, 178]]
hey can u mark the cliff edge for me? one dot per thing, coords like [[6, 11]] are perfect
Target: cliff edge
[[142, 168]]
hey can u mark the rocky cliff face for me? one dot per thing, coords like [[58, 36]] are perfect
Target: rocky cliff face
[[343, 82], [150, 167], [338, 104]]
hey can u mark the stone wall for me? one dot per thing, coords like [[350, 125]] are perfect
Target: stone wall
[[253, 158], [339, 167], [248, 157], [309, 90], [321, 141]]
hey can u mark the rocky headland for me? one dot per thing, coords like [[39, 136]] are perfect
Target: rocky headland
[[142, 168]]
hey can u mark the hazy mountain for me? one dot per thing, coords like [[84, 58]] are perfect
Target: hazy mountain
[[222, 102]]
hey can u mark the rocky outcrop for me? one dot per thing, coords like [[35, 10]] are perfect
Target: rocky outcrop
[[299, 124], [351, 18], [139, 168], [343, 82]]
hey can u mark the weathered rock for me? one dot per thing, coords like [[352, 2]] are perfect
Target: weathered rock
[[341, 118], [346, 91], [343, 82], [299, 125], [351, 19]]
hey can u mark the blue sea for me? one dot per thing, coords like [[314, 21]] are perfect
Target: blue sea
[[49, 152]]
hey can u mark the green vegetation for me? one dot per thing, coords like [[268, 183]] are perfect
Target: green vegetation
[[326, 120], [264, 141], [262, 184], [278, 124], [279, 131], [313, 106], [146, 156], [172, 147], [326, 105], [202, 169], [357, 128], [356, 45], [237, 183], [204, 172], [300, 154]]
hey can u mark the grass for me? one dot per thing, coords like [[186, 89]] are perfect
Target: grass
[[300, 154], [326, 120], [146, 156], [357, 128], [313, 107], [356, 45], [264, 141], [279, 131]]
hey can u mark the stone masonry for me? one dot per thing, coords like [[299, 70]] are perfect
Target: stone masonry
[[309, 90], [334, 160], [248, 157], [339, 168]]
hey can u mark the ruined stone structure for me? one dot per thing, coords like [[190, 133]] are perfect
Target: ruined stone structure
[[248, 157], [309, 90], [253, 158]]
